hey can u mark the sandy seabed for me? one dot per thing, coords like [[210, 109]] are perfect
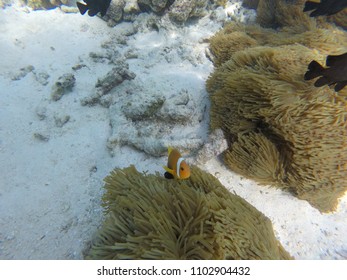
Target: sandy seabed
[[54, 155]]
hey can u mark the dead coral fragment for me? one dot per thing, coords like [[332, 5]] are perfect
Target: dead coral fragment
[[149, 217], [63, 85], [113, 78]]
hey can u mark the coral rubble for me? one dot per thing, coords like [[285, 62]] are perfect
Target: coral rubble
[[150, 217], [108, 83], [63, 85], [156, 121]]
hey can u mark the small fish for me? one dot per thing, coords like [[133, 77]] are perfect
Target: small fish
[[94, 7], [325, 7], [335, 73], [176, 166]]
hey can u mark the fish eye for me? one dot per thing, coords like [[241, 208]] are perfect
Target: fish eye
[[182, 168]]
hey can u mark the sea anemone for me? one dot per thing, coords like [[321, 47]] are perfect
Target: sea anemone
[[150, 217]]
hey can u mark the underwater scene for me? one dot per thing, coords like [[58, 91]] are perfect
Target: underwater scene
[[173, 129]]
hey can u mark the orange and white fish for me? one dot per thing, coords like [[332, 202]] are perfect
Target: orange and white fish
[[176, 165]]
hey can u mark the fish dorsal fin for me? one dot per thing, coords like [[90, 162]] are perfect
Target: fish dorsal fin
[[169, 150], [178, 166]]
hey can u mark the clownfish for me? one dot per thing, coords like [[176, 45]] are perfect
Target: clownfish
[[176, 165]]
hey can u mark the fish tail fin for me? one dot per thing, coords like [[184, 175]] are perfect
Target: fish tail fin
[[309, 6], [314, 70], [82, 7], [169, 150]]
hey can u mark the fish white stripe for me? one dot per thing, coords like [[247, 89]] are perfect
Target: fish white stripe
[[178, 166]]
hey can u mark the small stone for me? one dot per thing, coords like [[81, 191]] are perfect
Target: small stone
[[41, 112], [78, 67], [41, 137], [130, 54], [115, 11], [131, 7], [93, 169], [22, 72], [60, 121], [41, 77]]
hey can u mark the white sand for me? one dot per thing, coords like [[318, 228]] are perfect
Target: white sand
[[50, 190]]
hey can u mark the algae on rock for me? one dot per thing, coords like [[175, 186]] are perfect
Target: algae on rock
[[150, 217]]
